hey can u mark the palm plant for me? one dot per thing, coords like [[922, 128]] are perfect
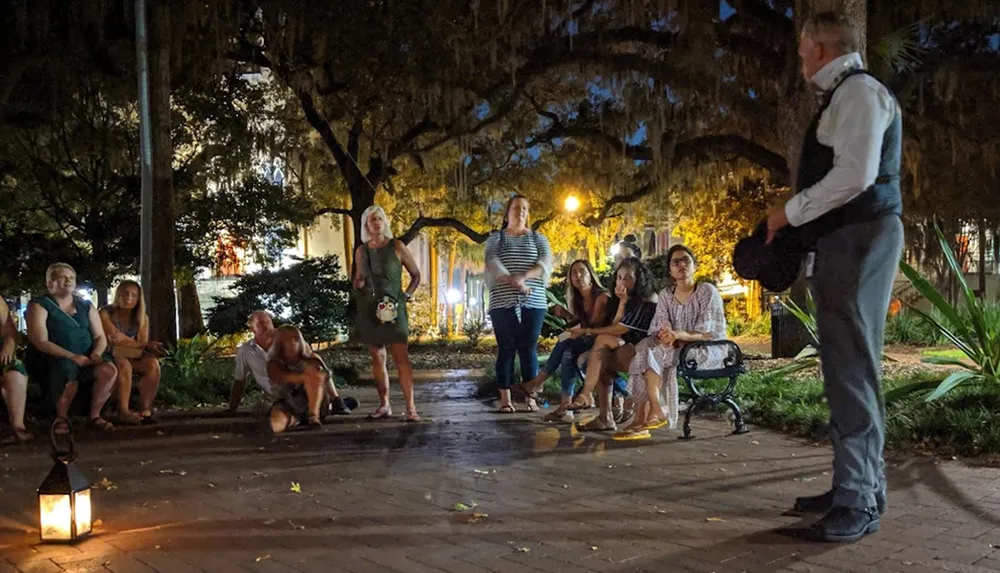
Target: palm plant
[[971, 326]]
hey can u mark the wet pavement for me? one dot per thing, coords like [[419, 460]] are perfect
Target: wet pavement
[[221, 494]]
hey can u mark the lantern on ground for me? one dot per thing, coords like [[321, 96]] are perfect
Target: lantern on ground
[[64, 510]]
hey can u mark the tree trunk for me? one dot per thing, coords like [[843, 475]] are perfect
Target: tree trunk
[[982, 259], [163, 305], [189, 310], [432, 283], [451, 279]]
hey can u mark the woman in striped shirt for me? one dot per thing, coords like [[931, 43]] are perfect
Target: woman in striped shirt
[[518, 264]]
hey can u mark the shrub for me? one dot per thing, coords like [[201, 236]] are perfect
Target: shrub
[[311, 294], [907, 328], [420, 314], [474, 328]]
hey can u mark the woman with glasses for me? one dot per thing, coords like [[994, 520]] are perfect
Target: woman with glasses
[[687, 311]]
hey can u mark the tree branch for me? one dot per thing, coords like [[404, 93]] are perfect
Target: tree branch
[[451, 222], [331, 211]]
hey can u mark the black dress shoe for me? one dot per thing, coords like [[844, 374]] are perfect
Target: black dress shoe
[[824, 502], [844, 525]]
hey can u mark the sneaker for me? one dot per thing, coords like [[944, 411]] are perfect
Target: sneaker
[[338, 407]]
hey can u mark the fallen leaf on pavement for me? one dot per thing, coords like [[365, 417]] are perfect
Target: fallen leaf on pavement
[[167, 471], [98, 523], [715, 520], [259, 559], [269, 522], [296, 487], [296, 525], [477, 517], [460, 507], [182, 473], [523, 550], [106, 484], [593, 548]]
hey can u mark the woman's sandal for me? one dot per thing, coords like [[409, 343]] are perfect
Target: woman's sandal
[[596, 425], [380, 413], [655, 424], [412, 417], [101, 424], [575, 406], [506, 409], [18, 436], [131, 419], [629, 435], [314, 422], [531, 404]]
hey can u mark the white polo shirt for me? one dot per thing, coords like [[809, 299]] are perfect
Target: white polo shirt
[[251, 357]]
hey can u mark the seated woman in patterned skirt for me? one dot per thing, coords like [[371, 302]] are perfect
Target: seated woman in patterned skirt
[[686, 311]]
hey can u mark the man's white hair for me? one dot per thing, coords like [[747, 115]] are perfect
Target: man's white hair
[[374, 210]]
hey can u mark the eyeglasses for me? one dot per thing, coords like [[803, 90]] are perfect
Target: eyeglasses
[[680, 262]]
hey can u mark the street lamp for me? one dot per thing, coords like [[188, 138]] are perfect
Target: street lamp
[[64, 510], [571, 204]]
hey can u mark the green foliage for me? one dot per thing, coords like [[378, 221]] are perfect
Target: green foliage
[[972, 326], [474, 328], [908, 328], [207, 383], [740, 325], [311, 294], [420, 314], [807, 315], [964, 422], [189, 355], [553, 325]]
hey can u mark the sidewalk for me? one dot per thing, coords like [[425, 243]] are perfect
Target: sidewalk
[[380, 497]]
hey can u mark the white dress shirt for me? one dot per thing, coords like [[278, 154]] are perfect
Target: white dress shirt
[[251, 357], [853, 125]]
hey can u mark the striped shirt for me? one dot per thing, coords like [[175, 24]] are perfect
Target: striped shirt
[[507, 254]]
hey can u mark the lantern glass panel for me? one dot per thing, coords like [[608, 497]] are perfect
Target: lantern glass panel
[[82, 509], [57, 516]]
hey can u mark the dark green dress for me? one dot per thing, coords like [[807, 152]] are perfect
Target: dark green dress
[[383, 272], [69, 332]]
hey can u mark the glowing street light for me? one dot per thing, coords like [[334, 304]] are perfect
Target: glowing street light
[[571, 204], [453, 296]]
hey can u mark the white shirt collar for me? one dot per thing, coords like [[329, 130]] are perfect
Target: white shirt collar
[[828, 76]]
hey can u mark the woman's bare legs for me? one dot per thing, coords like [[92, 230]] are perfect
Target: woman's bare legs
[[401, 357], [15, 395], [66, 399], [595, 368], [653, 384], [381, 376], [148, 369], [123, 391], [105, 375]]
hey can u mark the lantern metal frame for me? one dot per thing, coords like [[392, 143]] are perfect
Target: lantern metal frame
[[65, 479]]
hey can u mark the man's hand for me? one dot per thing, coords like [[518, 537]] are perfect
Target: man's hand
[[80, 360], [776, 220], [575, 332], [95, 359]]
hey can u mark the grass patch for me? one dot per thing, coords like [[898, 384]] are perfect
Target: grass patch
[[965, 422]]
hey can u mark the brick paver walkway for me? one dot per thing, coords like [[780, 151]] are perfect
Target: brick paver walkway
[[380, 497]]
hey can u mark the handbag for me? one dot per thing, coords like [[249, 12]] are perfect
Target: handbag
[[386, 306]]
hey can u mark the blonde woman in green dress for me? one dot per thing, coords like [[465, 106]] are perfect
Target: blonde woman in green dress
[[381, 319]]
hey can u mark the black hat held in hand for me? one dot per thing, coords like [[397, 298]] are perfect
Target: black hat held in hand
[[775, 266]]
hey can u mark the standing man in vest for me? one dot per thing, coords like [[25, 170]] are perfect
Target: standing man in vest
[[847, 209]]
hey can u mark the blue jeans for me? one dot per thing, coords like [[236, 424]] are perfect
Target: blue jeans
[[516, 337], [564, 356]]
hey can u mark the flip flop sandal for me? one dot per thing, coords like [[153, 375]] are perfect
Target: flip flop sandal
[[629, 435], [412, 417], [595, 425], [655, 424], [508, 409], [101, 424], [149, 420], [314, 422], [531, 404], [380, 414]]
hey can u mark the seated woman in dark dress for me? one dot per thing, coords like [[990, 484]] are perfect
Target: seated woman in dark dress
[[67, 343], [15, 380]]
